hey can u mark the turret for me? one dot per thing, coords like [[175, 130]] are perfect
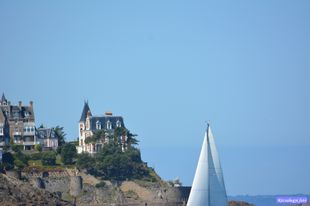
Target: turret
[[3, 100]]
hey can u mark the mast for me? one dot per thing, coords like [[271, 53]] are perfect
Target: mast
[[209, 203]]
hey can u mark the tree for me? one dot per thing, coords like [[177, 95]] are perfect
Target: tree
[[17, 148], [68, 153], [131, 140], [19, 164], [121, 131], [38, 147], [8, 160], [60, 134], [49, 158], [85, 161], [97, 136]]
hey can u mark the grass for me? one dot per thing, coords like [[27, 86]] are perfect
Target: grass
[[35, 163], [58, 160]]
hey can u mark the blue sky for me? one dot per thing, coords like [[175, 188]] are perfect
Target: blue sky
[[167, 67]]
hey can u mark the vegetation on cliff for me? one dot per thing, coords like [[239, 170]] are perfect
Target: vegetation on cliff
[[114, 164], [116, 160]]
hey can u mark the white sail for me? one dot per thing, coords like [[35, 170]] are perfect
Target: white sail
[[208, 187]]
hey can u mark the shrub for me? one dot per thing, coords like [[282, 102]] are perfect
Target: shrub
[[49, 158], [17, 148], [68, 153], [112, 163], [100, 184], [19, 164], [38, 147], [35, 156], [7, 161]]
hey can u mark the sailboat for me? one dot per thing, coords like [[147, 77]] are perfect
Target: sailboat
[[208, 187]]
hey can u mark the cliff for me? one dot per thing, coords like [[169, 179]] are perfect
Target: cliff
[[16, 192], [88, 190]]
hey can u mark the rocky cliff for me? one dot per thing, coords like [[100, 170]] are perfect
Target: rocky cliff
[[16, 192], [87, 190]]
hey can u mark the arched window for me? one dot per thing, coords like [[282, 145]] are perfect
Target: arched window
[[118, 123], [109, 125], [98, 125], [87, 124]]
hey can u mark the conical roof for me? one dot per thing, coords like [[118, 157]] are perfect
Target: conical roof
[[3, 99], [86, 109], [208, 187]]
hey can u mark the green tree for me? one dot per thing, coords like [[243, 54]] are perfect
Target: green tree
[[38, 147], [60, 134], [68, 153], [85, 161], [8, 160], [112, 163], [17, 148], [19, 164], [98, 135], [131, 140], [121, 131], [48, 158]]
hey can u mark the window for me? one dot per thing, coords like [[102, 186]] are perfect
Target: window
[[118, 123], [87, 124], [98, 125], [1, 130], [32, 129], [109, 125], [28, 129]]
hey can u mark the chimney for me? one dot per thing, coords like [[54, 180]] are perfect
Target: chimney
[[108, 113], [31, 103], [20, 104]]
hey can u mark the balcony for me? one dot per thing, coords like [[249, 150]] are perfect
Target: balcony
[[29, 133], [29, 143], [17, 133]]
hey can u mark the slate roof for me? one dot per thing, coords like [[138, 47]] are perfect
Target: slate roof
[[103, 121], [3, 99], [45, 133], [84, 112], [17, 112]]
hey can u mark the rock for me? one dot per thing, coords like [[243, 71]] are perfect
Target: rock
[[239, 203], [16, 192]]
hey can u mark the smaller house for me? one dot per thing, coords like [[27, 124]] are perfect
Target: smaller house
[[47, 138]]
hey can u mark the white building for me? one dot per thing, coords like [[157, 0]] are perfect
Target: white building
[[89, 124]]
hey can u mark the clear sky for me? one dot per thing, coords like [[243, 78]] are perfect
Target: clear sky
[[167, 67]]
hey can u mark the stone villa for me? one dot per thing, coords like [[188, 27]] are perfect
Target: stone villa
[[17, 125]]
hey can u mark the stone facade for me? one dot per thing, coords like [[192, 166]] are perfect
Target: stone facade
[[17, 124], [89, 124]]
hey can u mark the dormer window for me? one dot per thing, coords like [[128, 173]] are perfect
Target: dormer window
[[118, 123], [26, 114], [109, 125], [98, 125]]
